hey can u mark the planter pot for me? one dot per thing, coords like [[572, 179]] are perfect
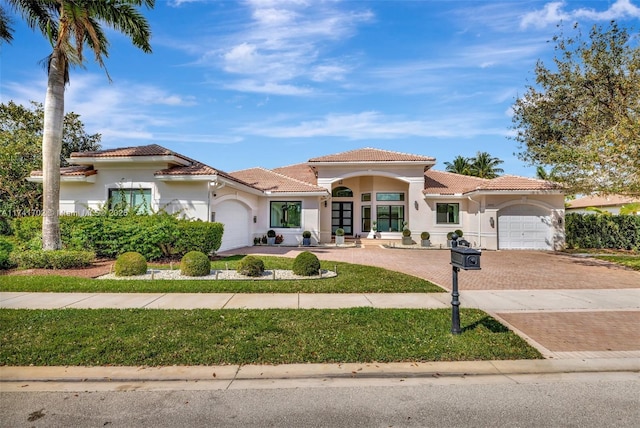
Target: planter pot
[[406, 240], [271, 241], [339, 240], [426, 243], [306, 241]]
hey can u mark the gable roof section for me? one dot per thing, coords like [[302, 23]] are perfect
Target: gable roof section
[[274, 182], [369, 154], [300, 171], [601, 201], [448, 183]]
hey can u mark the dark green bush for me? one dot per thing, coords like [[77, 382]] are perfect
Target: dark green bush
[[130, 263], [6, 248], [250, 266], [306, 264], [195, 263], [57, 259], [425, 235], [198, 236], [602, 231]]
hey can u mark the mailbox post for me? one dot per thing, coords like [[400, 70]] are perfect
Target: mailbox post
[[461, 258]]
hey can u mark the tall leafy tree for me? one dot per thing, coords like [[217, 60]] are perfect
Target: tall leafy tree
[[484, 165], [21, 153], [459, 165], [70, 25], [582, 118]]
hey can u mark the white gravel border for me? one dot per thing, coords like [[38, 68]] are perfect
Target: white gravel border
[[220, 275]]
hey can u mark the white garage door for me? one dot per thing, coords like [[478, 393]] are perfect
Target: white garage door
[[524, 227], [235, 217]]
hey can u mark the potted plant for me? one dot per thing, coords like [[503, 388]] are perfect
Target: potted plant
[[424, 239], [271, 237], [374, 230], [450, 236], [406, 235], [339, 236], [306, 238]]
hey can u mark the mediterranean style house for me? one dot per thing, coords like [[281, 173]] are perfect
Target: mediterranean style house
[[604, 203], [361, 191]]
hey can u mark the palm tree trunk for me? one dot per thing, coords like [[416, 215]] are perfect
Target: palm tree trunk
[[51, 148]]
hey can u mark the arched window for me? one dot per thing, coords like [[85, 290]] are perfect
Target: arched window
[[342, 192]]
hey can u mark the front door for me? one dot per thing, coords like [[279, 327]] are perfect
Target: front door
[[342, 217]]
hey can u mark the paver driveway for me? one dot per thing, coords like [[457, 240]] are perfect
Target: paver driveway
[[501, 270]]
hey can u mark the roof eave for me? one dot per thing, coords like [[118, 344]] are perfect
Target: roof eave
[[273, 194], [65, 178], [374, 163]]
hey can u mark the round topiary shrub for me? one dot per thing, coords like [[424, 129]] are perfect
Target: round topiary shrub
[[130, 264], [425, 235], [250, 266], [306, 264], [406, 233], [195, 263]]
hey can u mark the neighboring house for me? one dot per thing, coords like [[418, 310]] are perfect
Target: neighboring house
[[349, 190], [609, 203]]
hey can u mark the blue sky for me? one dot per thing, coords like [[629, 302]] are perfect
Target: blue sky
[[272, 83]]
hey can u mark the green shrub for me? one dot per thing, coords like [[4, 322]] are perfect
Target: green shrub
[[306, 264], [458, 232], [198, 236], [306, 234], [425, 235], [26, 228], [406, 233], [250, 266], [271, 233], [195, 263], [6, 248], [602, 231], [339, 232], [56, 259], [130, 263]]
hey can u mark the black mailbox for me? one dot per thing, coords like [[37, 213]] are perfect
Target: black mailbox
[[465, 258]]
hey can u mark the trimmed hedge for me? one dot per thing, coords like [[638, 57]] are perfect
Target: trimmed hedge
[[602, 231], [130, 264], [250, 266], [154, 236], [195, 263], [56, 259], [306, 264]]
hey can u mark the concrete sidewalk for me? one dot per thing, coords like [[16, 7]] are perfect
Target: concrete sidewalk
[[503, 301]]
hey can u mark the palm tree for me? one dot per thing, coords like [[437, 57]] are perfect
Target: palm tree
[[68, 25], [5, 26], [460, 165], [483, 165]]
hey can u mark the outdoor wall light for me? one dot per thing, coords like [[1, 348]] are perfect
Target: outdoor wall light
[[255, 219], [492, 222], [415, 204], [325, 203]]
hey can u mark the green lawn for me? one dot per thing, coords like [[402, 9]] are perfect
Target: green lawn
[[147, 337], [351, 278], [630, 261]]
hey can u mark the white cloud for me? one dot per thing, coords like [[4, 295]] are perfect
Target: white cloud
[[552, 13], [272, 88], [375, 125]]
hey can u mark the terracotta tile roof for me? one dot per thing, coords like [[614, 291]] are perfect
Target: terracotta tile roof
[[514, 182], [150, 150], [447, 183], [272, 181], [70, 171], [601, 201], [301, 171], [372, 155]]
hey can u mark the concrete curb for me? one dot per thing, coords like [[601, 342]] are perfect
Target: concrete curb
[[315, 371]]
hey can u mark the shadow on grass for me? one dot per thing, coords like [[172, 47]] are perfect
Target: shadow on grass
[[489, 323]]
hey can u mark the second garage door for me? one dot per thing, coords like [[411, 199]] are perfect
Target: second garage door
[[524, 227], [235, 217]]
